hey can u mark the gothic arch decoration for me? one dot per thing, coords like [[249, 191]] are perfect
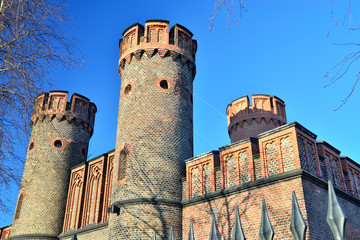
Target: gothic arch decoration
[[93, 193], [230, 171], [195, 182], [123, 157], [74, 201], [108, 186], [272, 161], [244, 171]]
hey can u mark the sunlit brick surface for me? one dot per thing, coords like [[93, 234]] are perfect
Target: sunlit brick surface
[[43, 190], [155, 128]]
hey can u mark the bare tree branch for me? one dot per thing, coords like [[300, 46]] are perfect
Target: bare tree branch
[[230, 9], [32, 42]]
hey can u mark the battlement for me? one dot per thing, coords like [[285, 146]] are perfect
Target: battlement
[[245, 120], [55, 105], [156, 37]]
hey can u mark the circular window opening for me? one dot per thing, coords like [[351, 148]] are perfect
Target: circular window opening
[[31, 146], [164, 84], [58, 144], [127, 89]]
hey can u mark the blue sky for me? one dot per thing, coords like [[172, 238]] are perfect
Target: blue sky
[[279, 48]]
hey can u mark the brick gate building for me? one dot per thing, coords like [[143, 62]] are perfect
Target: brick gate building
[[151, 184]]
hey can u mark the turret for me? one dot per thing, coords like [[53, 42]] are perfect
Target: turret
[[245, 120], [155, 130], [59, 140]]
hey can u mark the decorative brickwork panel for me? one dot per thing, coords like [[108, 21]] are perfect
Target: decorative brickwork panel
[[302, 154], [92, 208], [38, 105], [129, 40], [230, 171], [58, 102], [347, 183], [195, 182], [257, 164], [244, 167], [81, 107], [207, 178], [323, 169], [329, 166], [351, 182], [280, 109], [357, 185], [311, 158], [156, 33], [108, 184], [73, 212], [184, 41], [271, 158], [335, 163], [217, 179], [287, 153]]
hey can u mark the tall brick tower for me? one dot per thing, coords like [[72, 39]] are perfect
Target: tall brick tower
[[59, 140], [155, 130]]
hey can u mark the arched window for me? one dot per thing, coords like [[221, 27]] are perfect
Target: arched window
[[123, 158]]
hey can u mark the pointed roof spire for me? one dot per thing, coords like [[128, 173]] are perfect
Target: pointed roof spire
[[238, 232], [154, 236], [74, 237], [191, 231], [172, 237], [213, 231], [336, 218], [266, 231], [298, 225]]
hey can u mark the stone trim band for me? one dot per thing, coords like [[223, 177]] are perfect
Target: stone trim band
[[34, 236], [153, 201]]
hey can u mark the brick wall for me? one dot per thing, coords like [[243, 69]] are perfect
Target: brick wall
[[278, 201], [316, 199]]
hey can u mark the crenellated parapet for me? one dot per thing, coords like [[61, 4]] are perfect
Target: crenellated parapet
[[245, 120], [157, 38], [54, 105], [288, 148]]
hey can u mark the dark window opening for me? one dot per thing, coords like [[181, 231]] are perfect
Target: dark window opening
[[191, 98], [83, 153], [164, 84], [127, 89], [19, 206], [32, 145], [122, 164], [58, 144]]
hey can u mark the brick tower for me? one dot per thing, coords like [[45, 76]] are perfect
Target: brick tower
[[244, 121], [59, 140], [155, 130]]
